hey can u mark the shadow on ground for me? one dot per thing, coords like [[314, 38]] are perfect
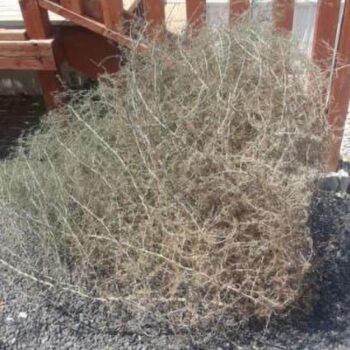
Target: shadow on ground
[[18, 114]]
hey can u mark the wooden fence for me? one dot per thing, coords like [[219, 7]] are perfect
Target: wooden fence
[[98, 22]]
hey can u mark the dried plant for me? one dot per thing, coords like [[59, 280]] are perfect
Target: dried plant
[[181, 185]]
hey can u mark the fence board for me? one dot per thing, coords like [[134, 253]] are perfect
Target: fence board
[[27, 55], [74, 5], [12, 34], [196, 13], [326, 23], [238, 8], [91, 24], [112, 13], [283, 14], [154, 13], [37, 24], [340, 90]]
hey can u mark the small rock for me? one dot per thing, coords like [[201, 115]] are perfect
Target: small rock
[[9, 319], [344, 180], [23, 315], [335, 181], [329, 182]]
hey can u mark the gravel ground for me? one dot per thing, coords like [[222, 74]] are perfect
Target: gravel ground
[[34, 318]]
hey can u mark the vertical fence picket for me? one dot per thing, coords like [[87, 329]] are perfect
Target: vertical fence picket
[[326, 23], [154, 11], [340, 90], [238, 8], [36, 19], [196, 13], [112, 13], [283, 14], [37, 24], [74, 5]]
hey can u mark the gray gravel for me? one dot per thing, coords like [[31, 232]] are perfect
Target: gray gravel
[[49, 321], [34, 318]]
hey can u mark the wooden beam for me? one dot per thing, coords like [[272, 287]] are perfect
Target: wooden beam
[[88, 52], [326, 24], [196, 13], [283, 14], [238, 8], [112, 13], [13, 34], [92, 25], [74, 5], [92, 8], [36, 19], [340, 90], [154, 11], [27, 55], [37, 24]]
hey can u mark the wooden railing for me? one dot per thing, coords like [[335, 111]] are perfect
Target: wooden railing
[[110, 20]]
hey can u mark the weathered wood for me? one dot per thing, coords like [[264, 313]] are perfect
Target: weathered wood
[[283, 14], [92, 8], [154, 13], [27, 55], [74, 5], [91, 24], [112, 13], [238, 8], [37, 24], [36, 19], [326, 23], [340, 90], [88, 52], [196, 13], [13, 34]]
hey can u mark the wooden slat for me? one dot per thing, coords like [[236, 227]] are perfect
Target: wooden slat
[[238, 8], [27, 55], [283, 14], [154, 12], [196, 13], [91, 24], [37, 24], [326, 22], [88, 52], [12, 34], [92, 8], [36, 19], [74, 5], [112, 13], [340, 90]]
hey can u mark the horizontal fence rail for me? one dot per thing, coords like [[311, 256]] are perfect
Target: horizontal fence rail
[[28, 54]]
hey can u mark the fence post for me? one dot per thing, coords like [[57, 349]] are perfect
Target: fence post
[[74, 5], [196, 13], [37, 25], [112, 13], [340, 90], [154, 12], [283, 14], [238, 8], [326, 24]]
